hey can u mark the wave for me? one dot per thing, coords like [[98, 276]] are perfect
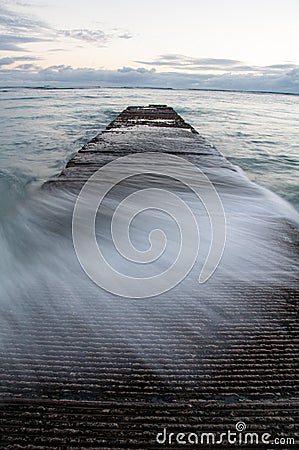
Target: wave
[[37, 247]]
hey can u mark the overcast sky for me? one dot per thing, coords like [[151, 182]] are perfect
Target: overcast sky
[[222, 44]]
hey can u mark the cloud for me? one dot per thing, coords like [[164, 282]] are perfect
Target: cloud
[[219, 73], [56, 50], [176, 61], [95, 36], [282, 66], [16, 30], [199, 61], [98, 36], [131, 70], [281, 81], [125, 36], [7, 61], [16, 23], [27, 66], [12, 43]]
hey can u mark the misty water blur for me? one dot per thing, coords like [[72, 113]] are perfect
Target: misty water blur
[[37, 249]]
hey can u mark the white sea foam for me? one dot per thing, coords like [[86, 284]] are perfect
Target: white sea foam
[[37, 249]]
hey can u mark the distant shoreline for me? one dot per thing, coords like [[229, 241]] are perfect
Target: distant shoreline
[[147, 87]]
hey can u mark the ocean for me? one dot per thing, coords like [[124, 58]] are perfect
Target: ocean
[[50, 308], [42, 128], [99, 355]]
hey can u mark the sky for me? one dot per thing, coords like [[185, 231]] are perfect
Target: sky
[[204, 44]]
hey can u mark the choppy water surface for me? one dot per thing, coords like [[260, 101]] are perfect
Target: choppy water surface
[[40, 129]]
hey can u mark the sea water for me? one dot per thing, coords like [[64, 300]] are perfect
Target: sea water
[[42, 128]]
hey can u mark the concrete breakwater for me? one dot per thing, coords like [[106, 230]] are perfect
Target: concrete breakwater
[[83, 368]]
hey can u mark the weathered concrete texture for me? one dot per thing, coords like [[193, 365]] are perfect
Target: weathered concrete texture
[[153, 115], [192, 360], [137, 129]]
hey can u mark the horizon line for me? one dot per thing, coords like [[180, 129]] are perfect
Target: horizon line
[[243, 91]]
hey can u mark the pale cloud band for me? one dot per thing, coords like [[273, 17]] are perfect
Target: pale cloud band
[[282, 80]]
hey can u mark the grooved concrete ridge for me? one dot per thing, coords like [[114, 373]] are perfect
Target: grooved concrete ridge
[[195, 359]]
